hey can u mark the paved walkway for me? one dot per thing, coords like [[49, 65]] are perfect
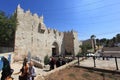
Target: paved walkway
[[103, 64]]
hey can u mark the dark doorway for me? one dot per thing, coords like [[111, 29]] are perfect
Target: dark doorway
[[55, 49]]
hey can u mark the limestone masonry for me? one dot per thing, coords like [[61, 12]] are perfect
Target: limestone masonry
[[33, 36]]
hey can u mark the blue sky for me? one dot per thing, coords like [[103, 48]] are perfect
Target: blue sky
[[87, 17]]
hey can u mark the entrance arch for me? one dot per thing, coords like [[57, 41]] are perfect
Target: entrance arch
[[55, 49]]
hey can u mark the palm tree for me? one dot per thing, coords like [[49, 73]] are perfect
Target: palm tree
[[93, 42]]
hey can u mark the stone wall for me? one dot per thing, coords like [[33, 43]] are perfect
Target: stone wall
[[76, 43], [33, 36], [69, 42]]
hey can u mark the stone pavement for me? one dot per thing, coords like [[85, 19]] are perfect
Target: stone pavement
[[100, 63]]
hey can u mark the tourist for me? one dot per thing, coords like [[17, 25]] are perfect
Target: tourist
[[60, 62], [52, 63], [24, 71], [32, 73], [6, 70]]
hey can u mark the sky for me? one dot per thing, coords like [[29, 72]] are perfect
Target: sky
[[88, 17]]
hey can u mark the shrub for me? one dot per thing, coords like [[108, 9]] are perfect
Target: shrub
[[46, 60], [80, 54]]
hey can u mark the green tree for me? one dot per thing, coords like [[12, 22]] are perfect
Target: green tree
[[97, 42], [103, 41], [92, 36], [114, 39], [84, 49], [7, 29], [46, 60], [118, 38], [109, 42]]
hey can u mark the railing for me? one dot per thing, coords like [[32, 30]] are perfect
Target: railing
[[103, 57]]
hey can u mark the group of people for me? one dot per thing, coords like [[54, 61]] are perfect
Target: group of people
[[27, 72], [59, 62]]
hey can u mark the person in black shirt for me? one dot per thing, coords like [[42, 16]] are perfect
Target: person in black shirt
[[52, 63], [6, 70]]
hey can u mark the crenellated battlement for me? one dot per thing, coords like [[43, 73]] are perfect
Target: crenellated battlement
[[36, 21], [29, 21], [35, 15], [54, 32], [28, 12], [19, 9], [72, 32], [33, 35], [21, 12]]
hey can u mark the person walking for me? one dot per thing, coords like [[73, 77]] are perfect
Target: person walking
[[6, 70], [32, 72], [52, 63], [24, 71]]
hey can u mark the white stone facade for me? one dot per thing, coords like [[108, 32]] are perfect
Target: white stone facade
[[32, 35]]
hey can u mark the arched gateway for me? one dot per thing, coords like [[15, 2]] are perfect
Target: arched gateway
[[55, 49], [43, 41]]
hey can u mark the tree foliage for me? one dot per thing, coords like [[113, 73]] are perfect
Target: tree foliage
[[92, 36], [109, 42], [7, 29], [84, 49], [46, 60]]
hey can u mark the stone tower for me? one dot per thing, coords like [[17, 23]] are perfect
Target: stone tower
[[33, 36]]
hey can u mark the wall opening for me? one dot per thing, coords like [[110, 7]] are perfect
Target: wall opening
[[55, 49], [41, 28]]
